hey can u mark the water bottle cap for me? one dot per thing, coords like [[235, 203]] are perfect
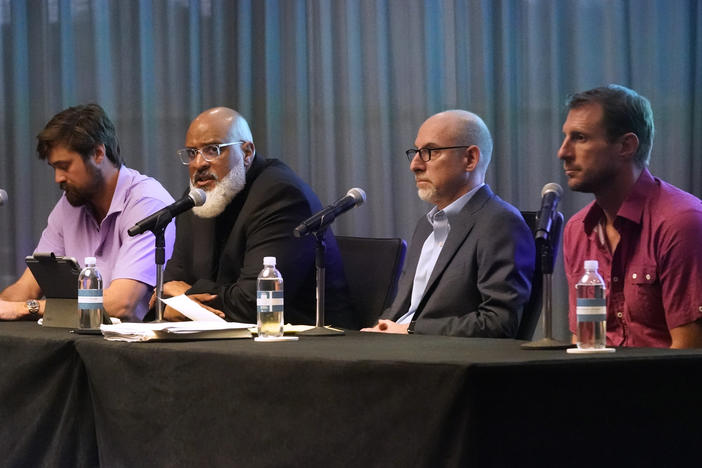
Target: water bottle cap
[[591, 264], [90, 261], [270, 261]]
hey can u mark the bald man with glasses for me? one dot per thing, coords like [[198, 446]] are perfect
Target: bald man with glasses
[[252, 206], [471, 259]]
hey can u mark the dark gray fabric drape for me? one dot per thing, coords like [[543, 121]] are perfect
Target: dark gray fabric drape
[[338, 88]]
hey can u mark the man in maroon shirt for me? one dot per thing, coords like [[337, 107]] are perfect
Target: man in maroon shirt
[[645, 233]]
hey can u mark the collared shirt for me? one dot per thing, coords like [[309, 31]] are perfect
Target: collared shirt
[[440, 222], [654, 276], [73, 231]]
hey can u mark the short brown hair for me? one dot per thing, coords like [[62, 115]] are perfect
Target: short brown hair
[[80, 129], [624, 111]]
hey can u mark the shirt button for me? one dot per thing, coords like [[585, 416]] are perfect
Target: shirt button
[[634, 276], [620, 315], [648, 277], [699, 308], [615, 279]]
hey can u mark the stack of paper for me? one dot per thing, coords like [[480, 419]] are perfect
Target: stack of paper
[[176, 331]]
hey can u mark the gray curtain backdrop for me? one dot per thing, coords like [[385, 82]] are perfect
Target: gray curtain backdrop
[[337, 89]]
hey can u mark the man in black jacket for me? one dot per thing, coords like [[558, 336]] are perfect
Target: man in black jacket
[[253, 204]]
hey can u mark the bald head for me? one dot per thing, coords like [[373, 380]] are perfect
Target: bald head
[[221, 171], [220, 123], [463, 128]]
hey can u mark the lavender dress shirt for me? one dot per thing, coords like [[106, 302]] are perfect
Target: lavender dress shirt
[[74, 232]]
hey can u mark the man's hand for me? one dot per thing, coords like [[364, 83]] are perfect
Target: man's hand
[[10, 310], [170, 289], [173, 315], [388, 326], [204, 297]]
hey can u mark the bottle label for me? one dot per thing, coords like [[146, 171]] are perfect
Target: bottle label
[[591, 310], [269, 301], [90, 298]]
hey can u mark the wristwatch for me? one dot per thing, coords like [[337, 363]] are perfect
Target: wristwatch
[[32, 307]]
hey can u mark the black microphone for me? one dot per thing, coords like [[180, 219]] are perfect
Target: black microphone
[[323, 218], [3, 197], [162, 217], [550, 196]]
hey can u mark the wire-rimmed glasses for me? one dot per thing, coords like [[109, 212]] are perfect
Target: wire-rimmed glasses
[[209, 152]]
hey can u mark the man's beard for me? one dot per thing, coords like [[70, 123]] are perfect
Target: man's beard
[[427, 194], [223, 192], [79, 197]]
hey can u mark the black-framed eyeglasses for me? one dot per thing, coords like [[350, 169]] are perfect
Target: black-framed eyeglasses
[[425, 153], [209, 152]]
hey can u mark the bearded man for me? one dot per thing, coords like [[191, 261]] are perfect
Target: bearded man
[[471, 259], [102, 199], [252, 206]]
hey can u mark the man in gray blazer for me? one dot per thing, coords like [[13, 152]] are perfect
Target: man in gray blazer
[[471, 259]]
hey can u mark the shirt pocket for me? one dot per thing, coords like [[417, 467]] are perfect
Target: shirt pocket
[[643, 274], [644, 293]]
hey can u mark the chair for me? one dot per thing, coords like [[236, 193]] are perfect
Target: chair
[[532, 310], [372, 268]]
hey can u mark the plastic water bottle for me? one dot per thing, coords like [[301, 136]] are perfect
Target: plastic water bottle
[[90, 295], [591, 308], [269, 300]]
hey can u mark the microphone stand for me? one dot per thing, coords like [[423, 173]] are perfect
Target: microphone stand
[[160, 261], [546, 256], [319, 264]]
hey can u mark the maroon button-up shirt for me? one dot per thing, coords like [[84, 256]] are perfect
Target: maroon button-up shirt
[[654, 276]]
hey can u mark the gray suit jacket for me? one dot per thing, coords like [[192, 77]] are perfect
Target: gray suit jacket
[[482, 278]]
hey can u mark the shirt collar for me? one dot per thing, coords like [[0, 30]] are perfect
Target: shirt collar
[[631, 209], [120, 195], [455, 207]]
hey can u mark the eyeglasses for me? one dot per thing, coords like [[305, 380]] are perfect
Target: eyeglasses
[[425, 153], [209, 152]]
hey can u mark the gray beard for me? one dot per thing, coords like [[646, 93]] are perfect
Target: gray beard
[[223, 193], [427, 194]]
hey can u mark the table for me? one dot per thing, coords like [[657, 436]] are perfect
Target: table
[[46, 414], [370, 400]]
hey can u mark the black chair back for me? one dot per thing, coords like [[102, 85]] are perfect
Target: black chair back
[[372, 268], [532, 311]]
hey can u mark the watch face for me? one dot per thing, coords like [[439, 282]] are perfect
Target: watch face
[[32, 307]]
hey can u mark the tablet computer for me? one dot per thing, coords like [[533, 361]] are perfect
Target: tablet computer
[[57, 276], [58, 280]]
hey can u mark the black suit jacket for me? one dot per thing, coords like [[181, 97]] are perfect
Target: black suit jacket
[[224, 255], [482, 278]]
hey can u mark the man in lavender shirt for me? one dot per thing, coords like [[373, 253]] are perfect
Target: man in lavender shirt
[[102, 199]]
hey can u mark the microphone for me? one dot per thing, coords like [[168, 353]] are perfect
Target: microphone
[[3, 197], [550, 196], [162, 217], [323, 218]]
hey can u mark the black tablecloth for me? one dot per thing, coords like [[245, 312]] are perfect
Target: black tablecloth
[[46, 415], [358, 400]]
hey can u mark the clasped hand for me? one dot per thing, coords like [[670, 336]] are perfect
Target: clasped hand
[[176, 288], [387, 326]]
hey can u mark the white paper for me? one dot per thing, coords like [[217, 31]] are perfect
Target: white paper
[[192, 309], [128, 331], [276, 338], [590, 350]]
